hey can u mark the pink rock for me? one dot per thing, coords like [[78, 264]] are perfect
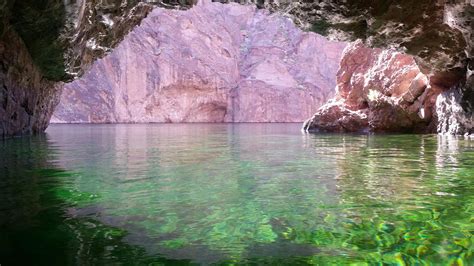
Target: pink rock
[[212, 63], [380, 91]]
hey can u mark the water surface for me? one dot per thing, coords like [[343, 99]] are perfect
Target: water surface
[[234, 194]]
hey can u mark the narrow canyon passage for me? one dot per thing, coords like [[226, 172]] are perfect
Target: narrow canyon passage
[[237, 63]]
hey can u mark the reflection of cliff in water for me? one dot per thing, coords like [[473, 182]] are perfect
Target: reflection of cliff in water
[[36, 228], [393, 168], [198, 187], [20, 185]]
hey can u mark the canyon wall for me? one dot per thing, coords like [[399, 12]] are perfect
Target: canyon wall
[[61, 39], [439, 34], [27, 100], [212, 63], [44, 43]]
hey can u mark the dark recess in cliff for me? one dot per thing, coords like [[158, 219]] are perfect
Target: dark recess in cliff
[[39, 24]]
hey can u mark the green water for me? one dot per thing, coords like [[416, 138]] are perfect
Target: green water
[[258, 194]]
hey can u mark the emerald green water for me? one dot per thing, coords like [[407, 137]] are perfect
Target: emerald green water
[[258, 194]]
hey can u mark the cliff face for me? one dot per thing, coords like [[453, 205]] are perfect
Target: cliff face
[[94, 27], [27, 100], [212, 63], [43, 43], [437, 33]]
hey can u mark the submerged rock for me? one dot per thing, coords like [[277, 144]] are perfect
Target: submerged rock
[[378, 91], [212, 63]]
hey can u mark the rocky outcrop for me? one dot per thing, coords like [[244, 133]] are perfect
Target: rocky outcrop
[[27, 100], [379, 91], [242, 66], [438, 33]]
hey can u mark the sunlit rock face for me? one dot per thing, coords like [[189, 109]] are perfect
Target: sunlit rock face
[[379, 91], [212, 63]]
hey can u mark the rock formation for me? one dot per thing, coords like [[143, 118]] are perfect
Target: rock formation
[[95, 27], [27, 100], [63, 38], [379, 91], [438, 33], [45, 42], [453, 118], [212, 63]]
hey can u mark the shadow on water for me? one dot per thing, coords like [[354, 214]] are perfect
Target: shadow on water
[[244, 194], [35, 226]]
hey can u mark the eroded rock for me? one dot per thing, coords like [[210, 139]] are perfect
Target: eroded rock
[[378, 91]]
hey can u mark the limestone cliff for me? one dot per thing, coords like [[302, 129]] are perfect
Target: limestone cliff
[[244, 65]]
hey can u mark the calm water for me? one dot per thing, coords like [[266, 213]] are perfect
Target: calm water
[[234, 194]]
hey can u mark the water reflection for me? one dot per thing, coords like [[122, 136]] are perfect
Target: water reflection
[[255, 193], [198, 187], [19, 184], [36, 227]]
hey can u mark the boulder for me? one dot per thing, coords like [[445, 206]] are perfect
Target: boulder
[[379, 91]]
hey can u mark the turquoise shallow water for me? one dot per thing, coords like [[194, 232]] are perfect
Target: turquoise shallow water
[[234, 194]]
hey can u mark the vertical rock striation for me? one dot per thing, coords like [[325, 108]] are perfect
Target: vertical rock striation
[[212, 63], [43, 43], [94, 27]]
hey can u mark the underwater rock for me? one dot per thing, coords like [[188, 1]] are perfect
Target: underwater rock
[[212, 63]]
